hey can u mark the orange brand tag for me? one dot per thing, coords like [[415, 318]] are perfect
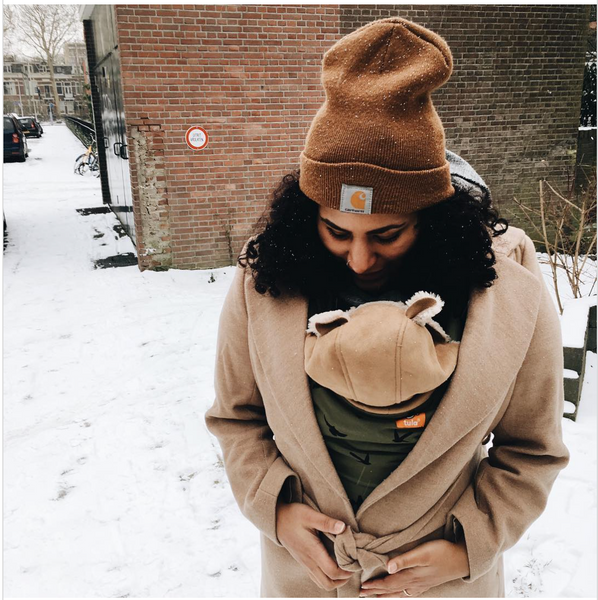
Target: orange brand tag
[[412, 422]]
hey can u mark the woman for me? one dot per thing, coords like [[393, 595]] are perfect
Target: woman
[[374, 214]]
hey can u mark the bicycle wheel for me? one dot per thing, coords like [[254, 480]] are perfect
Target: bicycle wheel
[[82, 168], [80, 162], [94, 165]]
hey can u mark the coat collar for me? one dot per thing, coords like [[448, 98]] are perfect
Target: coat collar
[[497, 335]]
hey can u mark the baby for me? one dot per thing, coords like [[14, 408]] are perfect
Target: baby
[[384, 356], [378, 371]]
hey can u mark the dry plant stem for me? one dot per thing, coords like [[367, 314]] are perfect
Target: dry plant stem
[[580, 229], [571, 204], [565, 244], [586, 256], [562, 258], [527, 210], [549, 249]]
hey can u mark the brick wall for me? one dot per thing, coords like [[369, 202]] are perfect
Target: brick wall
[[250, 75], [512, 105]]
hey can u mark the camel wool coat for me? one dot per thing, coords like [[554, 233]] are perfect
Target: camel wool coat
[[508, 382]]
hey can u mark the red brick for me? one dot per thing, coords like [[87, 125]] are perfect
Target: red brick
[[250, 74]]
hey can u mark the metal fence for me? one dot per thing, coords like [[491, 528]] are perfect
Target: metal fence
[[83, 130]]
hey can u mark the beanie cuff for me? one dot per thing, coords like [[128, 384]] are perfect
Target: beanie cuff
[[399, 192]]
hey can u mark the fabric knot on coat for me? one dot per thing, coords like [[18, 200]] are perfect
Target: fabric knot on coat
[[357, 551]]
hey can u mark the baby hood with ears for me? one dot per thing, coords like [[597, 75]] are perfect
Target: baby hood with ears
[[383, 356]]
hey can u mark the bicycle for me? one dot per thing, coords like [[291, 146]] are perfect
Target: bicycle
[[88, 162]]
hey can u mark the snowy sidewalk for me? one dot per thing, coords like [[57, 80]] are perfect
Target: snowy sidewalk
[[112, 485]]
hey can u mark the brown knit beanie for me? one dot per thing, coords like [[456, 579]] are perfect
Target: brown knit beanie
[[377, 144]]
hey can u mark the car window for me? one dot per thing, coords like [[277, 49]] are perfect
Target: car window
[[9, 126], [26, 122]]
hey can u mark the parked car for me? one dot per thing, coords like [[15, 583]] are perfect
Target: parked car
[[15, 142], [31, 126]]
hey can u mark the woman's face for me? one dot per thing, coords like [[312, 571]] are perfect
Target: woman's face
[[374, 245]]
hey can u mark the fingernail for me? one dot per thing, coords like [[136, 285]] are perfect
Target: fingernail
[[392, 568], [339, 527]]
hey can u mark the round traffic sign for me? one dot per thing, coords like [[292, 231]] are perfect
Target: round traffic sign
[[196, 138]]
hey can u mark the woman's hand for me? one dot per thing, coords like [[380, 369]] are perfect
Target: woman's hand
[[297, 527], [416, 571]]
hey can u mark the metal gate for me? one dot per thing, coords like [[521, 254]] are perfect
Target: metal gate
[[107, 78]]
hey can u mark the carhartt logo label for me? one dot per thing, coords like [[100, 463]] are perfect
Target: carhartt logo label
[[412, 422], [356, 199]]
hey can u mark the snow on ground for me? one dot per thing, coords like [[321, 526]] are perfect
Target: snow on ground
[[575, 310], [112, 485]]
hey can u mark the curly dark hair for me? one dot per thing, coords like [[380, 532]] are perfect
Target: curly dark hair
[[451, 256]]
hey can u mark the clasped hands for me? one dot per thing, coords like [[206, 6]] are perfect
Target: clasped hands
[[410, 574]]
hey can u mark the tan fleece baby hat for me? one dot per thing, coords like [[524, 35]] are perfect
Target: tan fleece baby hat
[[383, 356], [377, 144]]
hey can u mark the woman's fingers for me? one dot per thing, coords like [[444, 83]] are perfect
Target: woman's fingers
[[391, 584], [321, 522], [324, 562], [324, 582], [322, 578], [418, 557], [297, 529], [400, 595], [329, 567]]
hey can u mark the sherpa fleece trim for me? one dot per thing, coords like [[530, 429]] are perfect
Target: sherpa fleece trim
[[424, 318], [324, 318]]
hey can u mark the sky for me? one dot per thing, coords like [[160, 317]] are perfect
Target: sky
[[14, 44]]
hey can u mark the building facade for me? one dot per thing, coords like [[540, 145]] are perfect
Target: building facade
[[249, 75], [28, 89]]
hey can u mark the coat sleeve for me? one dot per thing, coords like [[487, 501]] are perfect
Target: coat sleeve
[[511, 486], [257, 473]]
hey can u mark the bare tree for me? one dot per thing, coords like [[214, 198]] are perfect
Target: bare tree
[[46, 28], [8, 22]]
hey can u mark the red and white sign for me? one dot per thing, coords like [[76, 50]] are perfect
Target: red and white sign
[[196, 138]]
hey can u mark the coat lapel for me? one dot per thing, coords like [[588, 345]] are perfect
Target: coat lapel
[[278, 328], [498, 330]]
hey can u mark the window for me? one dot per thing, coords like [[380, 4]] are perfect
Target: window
[[9, 88], [7, 69]]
